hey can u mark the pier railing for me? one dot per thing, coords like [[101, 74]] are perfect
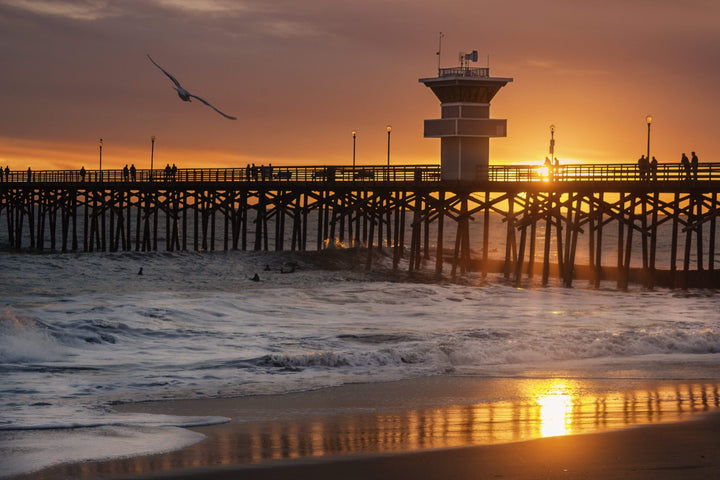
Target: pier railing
[[374, 173], [263, 173], [615, 172]]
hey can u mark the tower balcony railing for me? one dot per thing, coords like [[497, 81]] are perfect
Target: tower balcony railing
[[464, 72]]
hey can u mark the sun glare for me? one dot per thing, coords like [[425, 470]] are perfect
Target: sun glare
[[556, 403]]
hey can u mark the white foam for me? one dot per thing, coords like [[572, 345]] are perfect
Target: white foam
[[24, 452]]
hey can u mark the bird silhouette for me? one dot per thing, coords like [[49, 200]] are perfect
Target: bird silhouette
[[184, 94]]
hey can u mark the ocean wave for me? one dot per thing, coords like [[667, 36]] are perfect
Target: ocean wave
[[93, 420], [24, 339]]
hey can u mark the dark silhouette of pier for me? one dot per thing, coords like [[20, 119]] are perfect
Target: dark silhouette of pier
[[311, 207]]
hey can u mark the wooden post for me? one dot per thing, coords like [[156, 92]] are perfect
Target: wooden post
[[688, 240], [570, 267], [621, 234], [674, 240], [628, 245], [534, 200], [699, 233], [653, 238], [711, 240], [548, 235], [510, 234], [440, 232], [370, 217], [486, 235], [558, 234], [599, 243]]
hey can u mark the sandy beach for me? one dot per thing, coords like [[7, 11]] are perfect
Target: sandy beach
[[436, 428]]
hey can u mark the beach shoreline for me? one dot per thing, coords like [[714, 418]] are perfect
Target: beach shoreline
[[423, 427]]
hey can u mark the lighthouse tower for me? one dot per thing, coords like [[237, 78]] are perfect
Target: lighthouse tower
[[465, 126]]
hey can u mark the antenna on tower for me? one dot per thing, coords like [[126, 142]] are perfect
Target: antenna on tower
[[439, 50]]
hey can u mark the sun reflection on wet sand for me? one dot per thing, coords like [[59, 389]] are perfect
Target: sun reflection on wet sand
[[556, 404], [541, 408]]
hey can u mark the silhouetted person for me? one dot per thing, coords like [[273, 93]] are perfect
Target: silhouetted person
[[643, 167], [168, 170], [132, 172], [7, 173], [1, 174], [126, 173], [173, 171], [29, 175], [140, 271], [556, 167], [82, 173], [548, 166], [255, 278], [685, 165], [653, 168], [248, 172], [694, 164]]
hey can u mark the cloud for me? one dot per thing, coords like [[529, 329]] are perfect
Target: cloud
[[206, 6], [76, 10]]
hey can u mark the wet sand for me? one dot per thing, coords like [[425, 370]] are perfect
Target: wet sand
[[445, 427]]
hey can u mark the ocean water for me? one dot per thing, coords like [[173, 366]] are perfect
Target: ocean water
[[80, 333]]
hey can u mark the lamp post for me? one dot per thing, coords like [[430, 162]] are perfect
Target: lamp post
[[152, 153], [389, 129], [354, 134], [100, 145], [552, 142], [648, 119]]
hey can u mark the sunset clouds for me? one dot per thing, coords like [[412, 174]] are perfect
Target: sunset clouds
[[300, 76]]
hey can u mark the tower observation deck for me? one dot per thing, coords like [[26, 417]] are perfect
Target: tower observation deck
[[465, 126]]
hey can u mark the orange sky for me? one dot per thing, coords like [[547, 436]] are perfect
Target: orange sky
[[300, 76]]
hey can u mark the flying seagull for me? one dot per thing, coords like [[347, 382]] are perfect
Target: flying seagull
[[184, 94]]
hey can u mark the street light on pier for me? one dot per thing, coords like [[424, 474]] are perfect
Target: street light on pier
[[354, 134], [389, 129], [648, 119], [152, 153], [100, 145]]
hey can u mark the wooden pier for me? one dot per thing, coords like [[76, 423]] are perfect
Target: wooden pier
[[409, 211]]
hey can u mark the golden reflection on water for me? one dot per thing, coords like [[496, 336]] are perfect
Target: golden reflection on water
[[546, 408], [556, 403]]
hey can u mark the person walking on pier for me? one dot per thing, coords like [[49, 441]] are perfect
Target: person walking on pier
[[1, 174], [132, 172], [685, 164], [82, 173], [694, 164], [549, 167], [643, 167], [126, 173], [653, 168], [7, 173], [29, 175]]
